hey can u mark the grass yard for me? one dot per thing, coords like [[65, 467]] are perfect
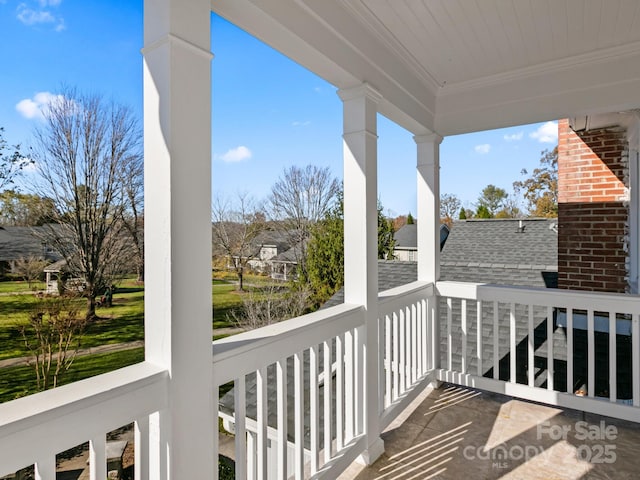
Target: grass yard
[[20, 286], [123, 322], [20, 381]]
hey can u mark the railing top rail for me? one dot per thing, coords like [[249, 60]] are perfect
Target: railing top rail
[[404, 290], [618, 302], [55, 420], [245, 352]]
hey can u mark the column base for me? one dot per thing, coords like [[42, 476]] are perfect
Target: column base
[[371, 454]]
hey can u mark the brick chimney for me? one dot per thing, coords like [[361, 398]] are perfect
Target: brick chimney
[[593, 208]]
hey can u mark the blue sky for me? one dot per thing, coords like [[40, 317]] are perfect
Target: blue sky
[[268, 113]]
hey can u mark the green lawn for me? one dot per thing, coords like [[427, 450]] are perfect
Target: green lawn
[[20, 286], [123, 322], [20, 381]]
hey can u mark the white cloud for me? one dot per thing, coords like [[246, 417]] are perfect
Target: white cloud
[[483, 148], [546, 133], [237, 154], [306, 123], [33, 107], [30, 16], [514, 137]]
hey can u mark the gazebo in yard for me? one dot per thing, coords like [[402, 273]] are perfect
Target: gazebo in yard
[[436, 68]]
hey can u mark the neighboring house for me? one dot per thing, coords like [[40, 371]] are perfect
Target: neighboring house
[[406, 242], [24, 242], [284, 265], [267, 246]]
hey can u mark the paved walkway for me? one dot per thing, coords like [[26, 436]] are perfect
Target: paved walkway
[[459, 433], [112, 347]]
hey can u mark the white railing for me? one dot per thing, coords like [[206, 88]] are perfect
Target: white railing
[[316, 362], [34, 429], [297, 408], [296, 362], [406, 330], [542, 345]]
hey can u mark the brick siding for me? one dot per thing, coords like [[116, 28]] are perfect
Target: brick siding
[[592, 209]]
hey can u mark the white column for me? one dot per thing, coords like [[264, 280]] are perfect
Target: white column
[[428, 193], [178, 311], [361, 242]]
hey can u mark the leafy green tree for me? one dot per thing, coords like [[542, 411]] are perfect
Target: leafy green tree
[[492, 198], [386, 242], [11, 162], [25, 209], [325, 255], [463, 214], [540, 189], [410, 219], [483, 212], [325, 251]]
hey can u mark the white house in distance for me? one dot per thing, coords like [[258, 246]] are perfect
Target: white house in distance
[[435, 68]]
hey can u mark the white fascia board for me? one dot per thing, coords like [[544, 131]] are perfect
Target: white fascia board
[[601, 82]]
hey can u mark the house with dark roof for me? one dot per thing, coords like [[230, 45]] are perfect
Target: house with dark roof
[[24, 242], [268, 245], [406, 241]]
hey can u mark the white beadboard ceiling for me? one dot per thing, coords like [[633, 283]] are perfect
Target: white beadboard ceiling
[[455, 66], [455, 41]]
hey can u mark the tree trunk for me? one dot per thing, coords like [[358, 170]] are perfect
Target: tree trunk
[[91, 307], [240, 279]]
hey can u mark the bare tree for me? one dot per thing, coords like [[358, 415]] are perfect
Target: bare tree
[[235, 229], [272, 304], [449, 206], [53, 337], [11, 162], [133, 214], [82, 153], [30, 269], [299, 199]]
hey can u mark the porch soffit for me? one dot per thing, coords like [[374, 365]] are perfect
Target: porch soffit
[[455, 66]]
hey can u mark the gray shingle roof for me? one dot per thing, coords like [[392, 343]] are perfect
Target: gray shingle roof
[[407, 236], [494, 243], [18, 242]]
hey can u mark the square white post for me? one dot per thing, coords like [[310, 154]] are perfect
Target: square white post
[[428, 193], [361, 244], [178, 310]]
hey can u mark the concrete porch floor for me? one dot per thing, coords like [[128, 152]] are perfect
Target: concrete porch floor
[[459, 433]]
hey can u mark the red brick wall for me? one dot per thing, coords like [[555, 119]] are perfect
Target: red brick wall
[[592, 209]]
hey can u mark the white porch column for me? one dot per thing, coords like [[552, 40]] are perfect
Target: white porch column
[[428, 193], [178, 311], [361, 243]]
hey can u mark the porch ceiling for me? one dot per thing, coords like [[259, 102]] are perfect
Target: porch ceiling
[[456, 66]]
